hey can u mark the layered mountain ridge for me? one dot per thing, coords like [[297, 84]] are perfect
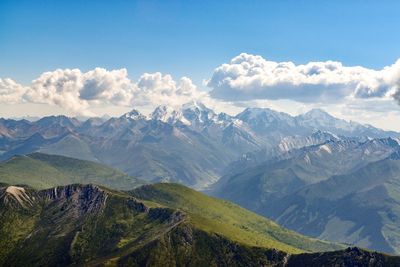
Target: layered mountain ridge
[[192, 145], [343, 190]]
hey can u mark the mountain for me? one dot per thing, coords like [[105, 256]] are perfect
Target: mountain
[[44, 171], [341, 190], [169, 115], [70, 145], [226, 219], [221, 128], [304, 165], [172, 226], [360, 208], [192, 144], [271, 125], [158, 151], [283, 149], [318, 119], [278, 124]]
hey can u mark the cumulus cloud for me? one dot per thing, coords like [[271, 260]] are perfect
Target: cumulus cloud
[[156, 88], [77, 91], [60, 88], [110, 86], [246, 78], [10, 91], [249, 77]]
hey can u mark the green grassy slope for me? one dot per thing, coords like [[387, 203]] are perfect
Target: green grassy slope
[[87, 225], [44, 171], [74, 224], [226, 219]]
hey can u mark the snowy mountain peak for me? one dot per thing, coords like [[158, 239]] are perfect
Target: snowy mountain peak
[[134, 115], [162, 113], [194, 113], [197, 113], [169, 115]]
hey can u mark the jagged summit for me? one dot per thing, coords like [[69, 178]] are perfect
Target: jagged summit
[[193, 114], [197, 113], [134, 115], [168, 114]]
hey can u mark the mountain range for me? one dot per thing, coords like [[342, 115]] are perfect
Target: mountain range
[[192, 145], [340, 190], [315, 174]]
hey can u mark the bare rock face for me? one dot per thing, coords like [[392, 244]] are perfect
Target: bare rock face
[[79, 199]]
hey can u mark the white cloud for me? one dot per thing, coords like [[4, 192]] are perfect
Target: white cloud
[[77, 92], [10, 91], [109, 86], [156, 89], [249, 77], [60, 88]]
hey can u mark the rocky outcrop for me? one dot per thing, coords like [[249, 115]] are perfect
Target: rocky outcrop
[[82, 198]]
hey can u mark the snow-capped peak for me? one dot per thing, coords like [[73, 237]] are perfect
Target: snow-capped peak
[[168, 114], [162, 113], [193, 113], [134, 115], [196, 112]]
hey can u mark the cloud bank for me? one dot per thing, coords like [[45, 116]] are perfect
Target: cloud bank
[[77, 91], [247, 78], [250, 77]]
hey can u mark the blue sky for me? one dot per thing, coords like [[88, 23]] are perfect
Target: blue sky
[[191, 38], [194, 39]]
